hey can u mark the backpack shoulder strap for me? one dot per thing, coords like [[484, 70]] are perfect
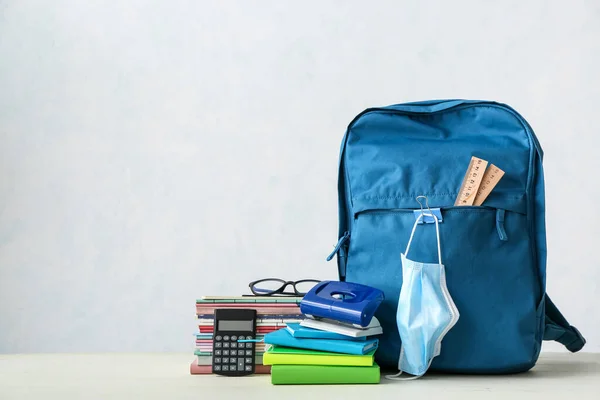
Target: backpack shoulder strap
[[558, 328]]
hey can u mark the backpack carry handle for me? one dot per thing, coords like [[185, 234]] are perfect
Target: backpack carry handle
[[428, 107]]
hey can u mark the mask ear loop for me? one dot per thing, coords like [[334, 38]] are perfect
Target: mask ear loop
[[437, 232]]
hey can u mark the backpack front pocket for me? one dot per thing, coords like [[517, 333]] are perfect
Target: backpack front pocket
[[490, 272]]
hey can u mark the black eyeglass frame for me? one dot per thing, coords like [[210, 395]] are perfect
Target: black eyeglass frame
[[281, 290]]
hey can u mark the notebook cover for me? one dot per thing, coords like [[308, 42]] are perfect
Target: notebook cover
[[283, 338], [323, 374], [299, 331], [207, 369], [204, 360], [373, 329], [249, 299], [278, 355], [293, 310], [209, 319], [258, 306]]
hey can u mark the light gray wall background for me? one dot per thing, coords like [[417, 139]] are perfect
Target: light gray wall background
[[155, 151]]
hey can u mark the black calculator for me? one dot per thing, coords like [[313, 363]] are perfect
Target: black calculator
[[230, 357]]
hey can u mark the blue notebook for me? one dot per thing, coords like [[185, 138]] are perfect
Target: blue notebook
[[299, 331], [283, 337]]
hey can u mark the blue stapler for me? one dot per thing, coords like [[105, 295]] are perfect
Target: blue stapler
[[346, 302]]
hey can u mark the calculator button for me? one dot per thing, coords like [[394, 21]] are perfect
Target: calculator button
[[225, 367], [234, 345], [217, 360], [248, 352], [218, 338], [217, 352], [216, 367], [225, 360], [248, 360], [248, 345], [218, 345], [233, 367], [226, 345], [225, 352], [234, 338], [248, 368], [225, 337], [233, 352], [240, 364], [249, 338]]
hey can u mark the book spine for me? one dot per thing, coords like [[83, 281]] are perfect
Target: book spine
[[341, 347], [293, 359], [308, 375]]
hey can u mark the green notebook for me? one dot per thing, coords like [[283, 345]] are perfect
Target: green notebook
[[322, 374], [278, 355]]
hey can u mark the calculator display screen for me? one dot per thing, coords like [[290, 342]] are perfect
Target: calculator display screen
[[225, 325]]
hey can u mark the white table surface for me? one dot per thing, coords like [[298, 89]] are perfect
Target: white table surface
[[166, 376]]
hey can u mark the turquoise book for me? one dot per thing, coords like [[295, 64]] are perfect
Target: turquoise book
[[299, 331], [284, 338]]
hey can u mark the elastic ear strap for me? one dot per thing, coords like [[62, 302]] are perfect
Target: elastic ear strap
[[412, 234], [437, 233]]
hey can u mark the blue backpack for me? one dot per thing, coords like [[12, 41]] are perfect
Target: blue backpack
[[494, 254]]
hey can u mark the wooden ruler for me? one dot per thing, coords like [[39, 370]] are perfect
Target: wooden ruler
[[471, 182], [490, 179]]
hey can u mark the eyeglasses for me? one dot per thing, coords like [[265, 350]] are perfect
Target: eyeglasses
[[274, 286]]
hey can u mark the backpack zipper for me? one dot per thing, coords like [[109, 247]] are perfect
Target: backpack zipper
[[500, 225], [500, 213], [339, 245], [401, 210]]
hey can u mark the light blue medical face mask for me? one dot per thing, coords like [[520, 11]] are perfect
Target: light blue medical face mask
[[425, 312]]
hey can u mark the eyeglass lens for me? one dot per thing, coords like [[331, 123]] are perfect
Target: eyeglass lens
[[268, 286], [304, 286]]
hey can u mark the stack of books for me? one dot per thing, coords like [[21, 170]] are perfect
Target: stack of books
[[303, 355], [272, 313]]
